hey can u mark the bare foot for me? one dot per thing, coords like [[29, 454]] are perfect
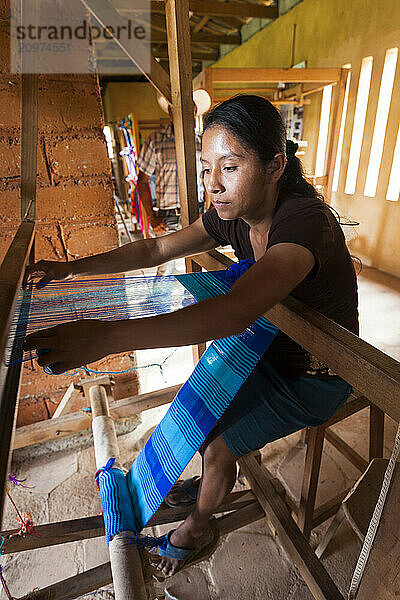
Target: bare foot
[[185, 536]]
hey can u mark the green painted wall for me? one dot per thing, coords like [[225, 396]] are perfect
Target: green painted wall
[[120, 99]]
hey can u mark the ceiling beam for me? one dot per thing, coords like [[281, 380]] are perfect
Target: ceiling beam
[[163, 54], [106, 15], [264, 75], [243, 10], [196, 38]]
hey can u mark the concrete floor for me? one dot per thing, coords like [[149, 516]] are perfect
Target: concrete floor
[[249, 563]]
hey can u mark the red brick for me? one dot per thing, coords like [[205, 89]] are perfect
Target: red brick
[[78, 156], [10, 206], [70, 201], [10, 158], [10, 103], [95, 238], [62, 107], [31, 410]]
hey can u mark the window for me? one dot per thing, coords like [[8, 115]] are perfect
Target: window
[[359, 123], [335, 181], [323, 130], [382, 112]]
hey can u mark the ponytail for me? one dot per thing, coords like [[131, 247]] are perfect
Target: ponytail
[[292, 181]]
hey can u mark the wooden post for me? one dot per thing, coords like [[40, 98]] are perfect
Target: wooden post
[[180, 66], [126, 565]]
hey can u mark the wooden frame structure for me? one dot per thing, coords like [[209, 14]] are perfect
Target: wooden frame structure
[[369, 370], [229, 81]]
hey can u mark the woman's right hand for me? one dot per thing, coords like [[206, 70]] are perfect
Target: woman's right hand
[[46, 271]]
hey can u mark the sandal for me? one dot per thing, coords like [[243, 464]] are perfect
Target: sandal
[[189, 487], [205, 547]]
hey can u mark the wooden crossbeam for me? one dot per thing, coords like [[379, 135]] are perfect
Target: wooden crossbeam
[[11, 273], [264, 75], [73, 393], [75, 586], [369, 370], [231, 9], [79, 421], [311, 569], [62, 532], [93, 579]]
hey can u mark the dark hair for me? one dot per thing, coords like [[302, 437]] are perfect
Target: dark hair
[[258, 126]]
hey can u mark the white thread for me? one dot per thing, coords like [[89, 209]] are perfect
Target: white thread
[[375, 520]]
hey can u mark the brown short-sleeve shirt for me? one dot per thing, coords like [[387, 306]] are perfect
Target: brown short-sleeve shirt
[[331, 286]]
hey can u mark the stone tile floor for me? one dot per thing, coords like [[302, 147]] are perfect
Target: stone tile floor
[[249, 563]]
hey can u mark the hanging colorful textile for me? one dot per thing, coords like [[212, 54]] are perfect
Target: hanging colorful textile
[[129, 155]]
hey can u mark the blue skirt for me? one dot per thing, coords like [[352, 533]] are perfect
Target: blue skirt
[[270, 406]]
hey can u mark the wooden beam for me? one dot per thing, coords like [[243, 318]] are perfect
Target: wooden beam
[[233, 9], [29, 122], [76, 586], [311, 569], [11, 274], [257, 75], [29, 143], [125, 560], [73, 393], [180, 63], [79, 421], [63, 532], [209, 39], [347, 451], [369, 370], [106, 14]]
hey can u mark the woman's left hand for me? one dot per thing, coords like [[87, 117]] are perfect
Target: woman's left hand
[[72, 345]]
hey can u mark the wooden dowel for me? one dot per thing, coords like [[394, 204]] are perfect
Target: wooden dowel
[[126, 564], [70, 588]]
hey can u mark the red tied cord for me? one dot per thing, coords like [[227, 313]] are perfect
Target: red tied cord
[[25, 521]]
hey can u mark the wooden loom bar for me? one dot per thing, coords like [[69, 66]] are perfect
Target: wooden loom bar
[[126, 564], [233, 9], [75, 586], [369, 370], [11, 273], [180, 66], [79, 421], [180, 62], [264, 75], [106, 14], [99, 576], [314, 574], [53, 534]]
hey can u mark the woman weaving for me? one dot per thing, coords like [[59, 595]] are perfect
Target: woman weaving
[[268, 212]]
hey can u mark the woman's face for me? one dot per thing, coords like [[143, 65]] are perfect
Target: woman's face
[[236, 182]]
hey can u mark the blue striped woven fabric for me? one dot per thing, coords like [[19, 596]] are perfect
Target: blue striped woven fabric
[[201, 401]]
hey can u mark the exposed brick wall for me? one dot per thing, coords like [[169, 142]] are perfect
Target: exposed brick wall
[[75, 209]]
